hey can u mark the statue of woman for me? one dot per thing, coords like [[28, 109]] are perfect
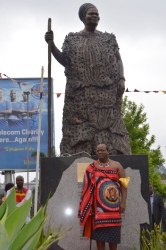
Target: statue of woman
[[94, 88]]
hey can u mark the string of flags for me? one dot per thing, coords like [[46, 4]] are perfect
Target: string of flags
[[127, 90], [35, 91], [13, 80], [154, 91], [59, 94]]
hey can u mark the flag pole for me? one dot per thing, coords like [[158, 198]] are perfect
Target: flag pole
[[38, 143], [49, 91]]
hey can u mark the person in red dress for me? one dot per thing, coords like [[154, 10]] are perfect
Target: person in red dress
[[104, 195]]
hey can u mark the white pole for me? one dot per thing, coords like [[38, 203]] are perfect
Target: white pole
[[38, 143]]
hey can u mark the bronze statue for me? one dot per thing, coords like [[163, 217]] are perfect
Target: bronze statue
[[94, 88]]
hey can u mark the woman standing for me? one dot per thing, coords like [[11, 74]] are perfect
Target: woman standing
[[104, 195]]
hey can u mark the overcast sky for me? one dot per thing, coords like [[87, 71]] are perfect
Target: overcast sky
[[140, 29]]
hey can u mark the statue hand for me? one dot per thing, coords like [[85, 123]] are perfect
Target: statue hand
[[49, 36], [121, 87]]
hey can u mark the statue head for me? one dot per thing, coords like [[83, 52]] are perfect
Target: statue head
[[83, 10]]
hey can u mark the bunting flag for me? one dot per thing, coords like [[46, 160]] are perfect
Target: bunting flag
[[36, 91], [24, 84], [58, 94], [147, 92], [13, 80]]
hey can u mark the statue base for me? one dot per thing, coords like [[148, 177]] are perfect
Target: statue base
[[62, 177]]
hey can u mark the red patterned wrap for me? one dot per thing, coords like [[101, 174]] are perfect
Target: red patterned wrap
[[101, 190]]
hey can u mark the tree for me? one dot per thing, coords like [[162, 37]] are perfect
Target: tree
[[53, 153], [141, 142], [34, 154]]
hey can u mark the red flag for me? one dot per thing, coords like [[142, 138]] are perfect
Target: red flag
[[58, 95]]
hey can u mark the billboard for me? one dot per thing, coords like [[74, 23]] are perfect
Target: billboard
[[19, 113]]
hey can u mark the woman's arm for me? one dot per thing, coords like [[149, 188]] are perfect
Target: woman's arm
[[121, 82], [59, 56]]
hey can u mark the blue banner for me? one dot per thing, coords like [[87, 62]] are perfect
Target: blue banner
[[19, 113]]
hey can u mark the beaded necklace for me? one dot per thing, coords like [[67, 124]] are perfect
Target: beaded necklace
[[103, 165]]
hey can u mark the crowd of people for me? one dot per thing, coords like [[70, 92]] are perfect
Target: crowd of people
[[16, 112]]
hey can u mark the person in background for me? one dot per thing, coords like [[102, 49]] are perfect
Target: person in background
[[157, 206], [22, 193], [164, 220], [8, 186]]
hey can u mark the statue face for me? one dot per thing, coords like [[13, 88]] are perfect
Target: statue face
[[92, 17]]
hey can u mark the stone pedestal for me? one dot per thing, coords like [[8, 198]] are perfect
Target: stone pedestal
[[59, 176]]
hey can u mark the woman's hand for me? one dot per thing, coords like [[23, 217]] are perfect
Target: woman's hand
[[49, 36], [122, 207]]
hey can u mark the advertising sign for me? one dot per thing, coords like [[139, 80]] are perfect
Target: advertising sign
[[19, 113]]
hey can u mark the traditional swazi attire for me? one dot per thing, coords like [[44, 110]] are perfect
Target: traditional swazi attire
[[101, 195]]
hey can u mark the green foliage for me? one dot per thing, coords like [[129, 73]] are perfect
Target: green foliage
[[141, 142], [163, 176], [34, 154], [16, 235], [53, 153], [153, 240], [135, 121]]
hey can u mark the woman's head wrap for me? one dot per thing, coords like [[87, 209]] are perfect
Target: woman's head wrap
[[83, 9]]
